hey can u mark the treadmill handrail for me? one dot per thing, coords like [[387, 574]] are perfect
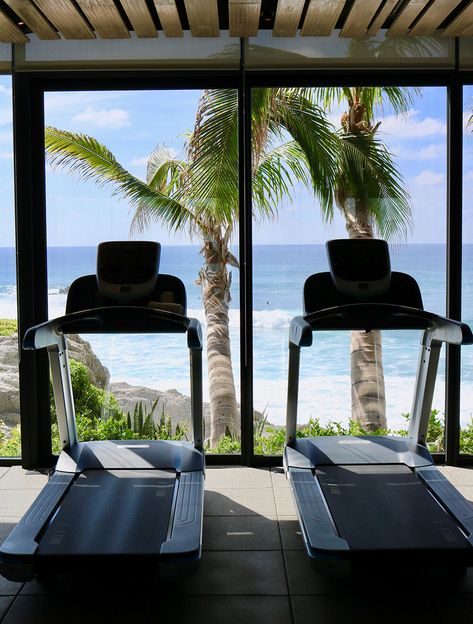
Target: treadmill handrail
[[113, 320], [106, 320], [369, 316]]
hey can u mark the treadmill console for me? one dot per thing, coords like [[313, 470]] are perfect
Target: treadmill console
[[127, 270], [359, 267]]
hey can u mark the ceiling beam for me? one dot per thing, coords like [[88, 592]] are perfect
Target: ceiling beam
[[28, 12], [203, 17], [288, 16], [66, 18], [381, 17], [140, 18], [9, 31], [359, 18], [462, 25], [404, 20], [321, 17], [243, 17], [169, 17], [433, 17], [105, 18]]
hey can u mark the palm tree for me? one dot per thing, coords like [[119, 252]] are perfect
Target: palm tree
[[370, 194], [292, 142]]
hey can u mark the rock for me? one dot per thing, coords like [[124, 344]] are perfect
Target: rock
[[79, 349], [9, 394], [175, 405]]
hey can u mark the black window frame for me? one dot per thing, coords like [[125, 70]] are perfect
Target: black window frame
[[30, 210]]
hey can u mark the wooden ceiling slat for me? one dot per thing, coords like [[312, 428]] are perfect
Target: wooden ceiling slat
[[433, 17], [462, 25], [9, 31], [381, 17], [140, 18], [105, 18], [401, 24], [243, 16], [169, 17], [65, 17], [28, 12], [359, 18], [288, 16], [321, 17], [203, 17]]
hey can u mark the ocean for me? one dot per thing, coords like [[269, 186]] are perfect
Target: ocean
[[279, 273]]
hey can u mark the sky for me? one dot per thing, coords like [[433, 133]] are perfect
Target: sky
[[131, 124]]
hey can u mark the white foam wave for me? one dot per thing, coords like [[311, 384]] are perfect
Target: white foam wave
[[272, 319], [262, 319]]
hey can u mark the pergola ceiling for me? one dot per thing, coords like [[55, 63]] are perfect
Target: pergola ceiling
[[115, 19]]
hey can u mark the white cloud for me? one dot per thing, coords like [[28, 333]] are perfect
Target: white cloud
[[429, 178], [6, 116], [111, 118], [142, 160], [410, 126], [429, 152], [6, 155], [63, 102], [5, 90], [468, 175]]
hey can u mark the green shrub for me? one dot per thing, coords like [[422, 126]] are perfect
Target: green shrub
[[8, 327]]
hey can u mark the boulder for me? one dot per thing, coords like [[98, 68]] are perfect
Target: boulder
[[174, 404], [79, 349], [9, 394]]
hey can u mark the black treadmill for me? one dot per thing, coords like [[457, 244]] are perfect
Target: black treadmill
[[129, 504], [366, 499]]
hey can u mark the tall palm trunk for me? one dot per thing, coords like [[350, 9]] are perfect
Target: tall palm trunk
[[215, 280], [368, 396]]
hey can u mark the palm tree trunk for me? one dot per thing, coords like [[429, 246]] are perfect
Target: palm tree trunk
[[368, 394], [216, 281]]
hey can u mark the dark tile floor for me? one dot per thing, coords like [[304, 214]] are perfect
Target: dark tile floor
[[253, 571]]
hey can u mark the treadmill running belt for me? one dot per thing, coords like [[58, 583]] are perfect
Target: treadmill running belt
[[112, 512], [386, 507]]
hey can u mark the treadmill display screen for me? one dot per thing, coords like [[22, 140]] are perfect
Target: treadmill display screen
[[359, 267], [359, 260], [128, 263]]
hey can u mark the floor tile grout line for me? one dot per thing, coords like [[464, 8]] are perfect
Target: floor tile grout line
[[286, 575], [10, 606]]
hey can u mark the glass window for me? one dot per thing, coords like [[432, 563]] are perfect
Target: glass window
[[154, 137], [466, 389], [408, 155], [9, 391]]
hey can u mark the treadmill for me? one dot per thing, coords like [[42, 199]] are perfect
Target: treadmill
[[367, 499], [129, 505]]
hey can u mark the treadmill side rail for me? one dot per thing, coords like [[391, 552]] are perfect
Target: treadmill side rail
[[458, 506], [18, 550], [184, 543], [319, 531]]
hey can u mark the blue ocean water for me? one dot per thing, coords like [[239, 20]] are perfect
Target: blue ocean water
[[279, 275]]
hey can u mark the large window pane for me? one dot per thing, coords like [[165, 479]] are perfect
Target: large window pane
[[9, 393], [290, 247], [144, 130], [466, 396]]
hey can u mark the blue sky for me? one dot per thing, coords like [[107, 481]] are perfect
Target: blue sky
[[132, 123]]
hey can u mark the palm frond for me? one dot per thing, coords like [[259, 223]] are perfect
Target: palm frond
[[87, 158], [368, 173]]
